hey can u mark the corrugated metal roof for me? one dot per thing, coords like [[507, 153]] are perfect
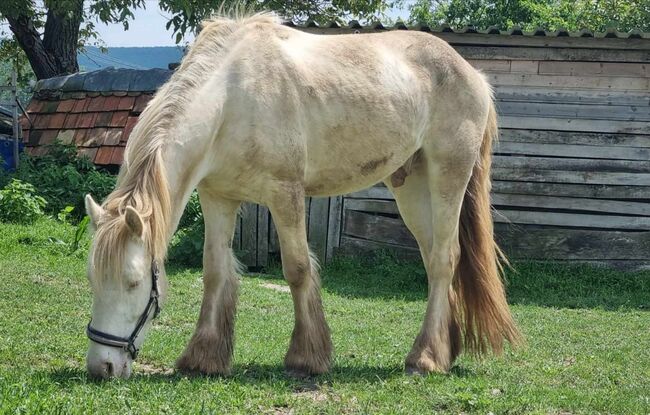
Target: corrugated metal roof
[[493, 30]]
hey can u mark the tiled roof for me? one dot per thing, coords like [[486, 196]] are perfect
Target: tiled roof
[[95, 110]]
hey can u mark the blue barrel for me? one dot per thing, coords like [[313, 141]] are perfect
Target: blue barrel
[[7, 152]]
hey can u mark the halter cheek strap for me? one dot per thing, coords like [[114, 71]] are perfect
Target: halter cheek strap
[[128, 343]]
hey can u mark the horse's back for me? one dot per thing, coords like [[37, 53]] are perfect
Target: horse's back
[[340, 112]]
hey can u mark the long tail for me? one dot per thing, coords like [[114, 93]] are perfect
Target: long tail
[[486, 318]]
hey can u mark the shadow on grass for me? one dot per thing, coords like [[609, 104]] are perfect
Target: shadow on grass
[[530, 283], [260, 374]]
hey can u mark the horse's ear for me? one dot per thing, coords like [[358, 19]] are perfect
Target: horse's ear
[[134, 221], [93, 210]]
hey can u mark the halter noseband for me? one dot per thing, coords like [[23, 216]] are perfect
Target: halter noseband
[[128, 343]]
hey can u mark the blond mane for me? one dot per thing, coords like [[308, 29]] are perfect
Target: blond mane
[[142, 181]]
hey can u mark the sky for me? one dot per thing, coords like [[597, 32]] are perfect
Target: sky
[[148, 28]]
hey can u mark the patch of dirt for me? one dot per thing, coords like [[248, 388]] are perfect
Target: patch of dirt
[[310, 391], [149, 369], [276, 287]]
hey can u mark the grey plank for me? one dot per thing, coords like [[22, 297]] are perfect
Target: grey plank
[[572, 220], [557, 176], [553, 54], [505, 200], [572, 124], [378, 191], [571, 95], [263, 225], [573, 151], [526, 242], [571, 164], [318, 218], [249, 235], [377, 228], [617, 83], [371, 205], [334, 226], [596, 191], [585, 112], [575, 138]]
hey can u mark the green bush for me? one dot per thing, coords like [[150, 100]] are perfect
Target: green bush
[[63, 179], [186, 246], [19, 203]]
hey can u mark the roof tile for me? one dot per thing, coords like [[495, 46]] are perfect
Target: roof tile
[[49, 106], [94, 137], [103, 119], [119, 119], [34, 106], [87, 120], [41, 121], [96, 103], [72, 121], [141, 103], [130, 123], [111, 103], [80, 136], [65, 136], [47, 137], [112, 137], [118, 155], [57, 120], [66, 105], [104, 155], [87, 152], [126, 103], [80, 105]]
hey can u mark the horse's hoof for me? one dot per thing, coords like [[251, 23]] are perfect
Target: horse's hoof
[[296, 373], [414, 371]]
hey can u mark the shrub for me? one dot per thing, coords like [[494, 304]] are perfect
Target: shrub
[[19, 203], [63, 178], [186, 246]]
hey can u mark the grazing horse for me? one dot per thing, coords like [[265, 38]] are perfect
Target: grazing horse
[[261, 112]]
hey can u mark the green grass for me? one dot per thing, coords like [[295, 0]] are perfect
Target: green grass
[[588, 334]]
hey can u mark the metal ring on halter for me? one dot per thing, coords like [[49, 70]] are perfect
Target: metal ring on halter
[[128, 343]]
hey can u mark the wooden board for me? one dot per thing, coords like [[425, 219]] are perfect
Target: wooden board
[[573, 151], [556, 176], [571, 95], [572, 190], [575, 138], [263, 219], [377, 228], [371, 205], [571, 164], [318, 217], [581, 111], [528, 201], [551, 54], [572, 220], [581, 82], [248, 247], [334, 226], [572, 124], [525, 242], [594, 68]]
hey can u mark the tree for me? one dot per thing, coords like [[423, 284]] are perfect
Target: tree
[[572, 15], [50, 32]]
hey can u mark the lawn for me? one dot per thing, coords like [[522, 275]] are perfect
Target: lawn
[[587, 330]]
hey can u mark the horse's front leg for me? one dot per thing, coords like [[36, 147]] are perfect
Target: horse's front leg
[[211, 347], [311, 347]]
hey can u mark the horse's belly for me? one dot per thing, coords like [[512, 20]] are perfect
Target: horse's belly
[[357, 167]]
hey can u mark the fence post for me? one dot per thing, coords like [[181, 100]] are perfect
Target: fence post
[[16, 124]]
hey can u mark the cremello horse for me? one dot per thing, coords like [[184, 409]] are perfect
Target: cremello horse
[[261, 112]]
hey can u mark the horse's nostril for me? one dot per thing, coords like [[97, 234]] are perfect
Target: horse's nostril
[[109, 369]]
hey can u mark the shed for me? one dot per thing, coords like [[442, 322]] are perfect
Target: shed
[[571, 177]]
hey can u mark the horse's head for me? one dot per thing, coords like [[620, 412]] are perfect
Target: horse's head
[[126, 282]]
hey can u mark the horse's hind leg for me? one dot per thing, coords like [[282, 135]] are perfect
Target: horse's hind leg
[[311, 347], [211, 347], [429, 202]]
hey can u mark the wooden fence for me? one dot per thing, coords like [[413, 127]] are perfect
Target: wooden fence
[[571, 176]]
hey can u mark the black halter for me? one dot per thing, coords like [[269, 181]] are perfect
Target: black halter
[[128, 343]]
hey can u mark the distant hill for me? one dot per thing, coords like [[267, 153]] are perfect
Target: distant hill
[[133, 57]]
